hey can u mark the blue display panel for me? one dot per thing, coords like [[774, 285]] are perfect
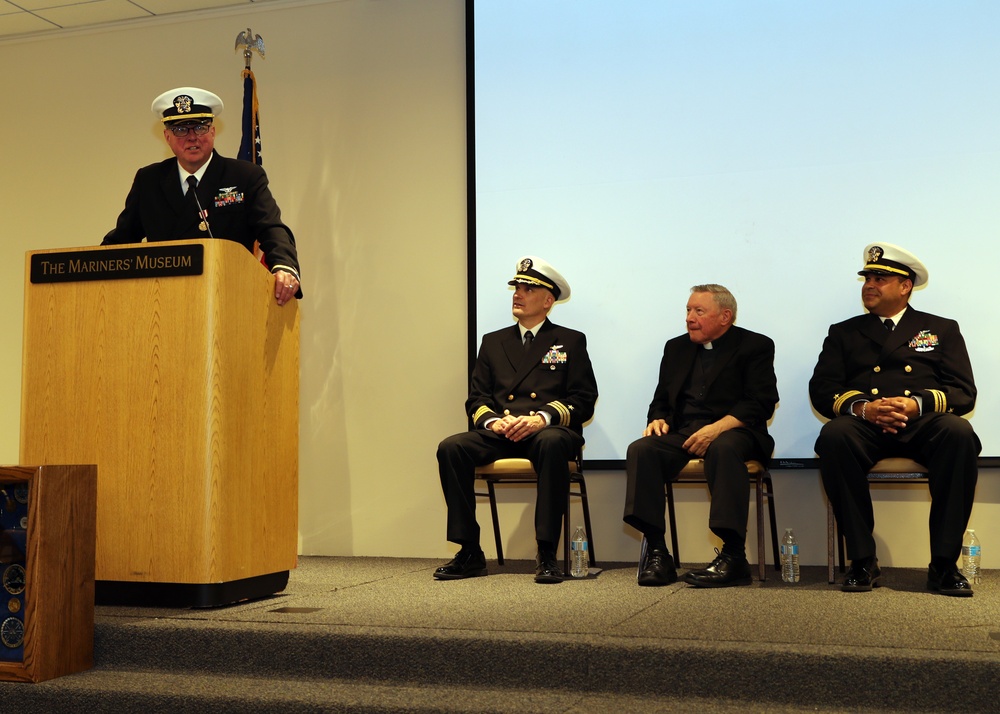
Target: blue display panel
[[13, 568]]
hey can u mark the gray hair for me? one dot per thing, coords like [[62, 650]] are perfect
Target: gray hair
[[723, 298]]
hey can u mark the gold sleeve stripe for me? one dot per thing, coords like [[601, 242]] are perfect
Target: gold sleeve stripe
[[479, 413], [840, 400], [940, 400], [564, 413]]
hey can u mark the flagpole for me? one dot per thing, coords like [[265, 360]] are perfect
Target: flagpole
[[250, 147]]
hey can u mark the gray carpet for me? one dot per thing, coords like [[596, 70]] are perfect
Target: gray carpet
[[380, 635]]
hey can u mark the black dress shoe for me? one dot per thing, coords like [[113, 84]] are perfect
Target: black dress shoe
[[546, 568], [725, 571], [467, 564], [657, 568], [862, 576], [948, 581]]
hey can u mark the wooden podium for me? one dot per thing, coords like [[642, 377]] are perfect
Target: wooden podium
[[171, 367]]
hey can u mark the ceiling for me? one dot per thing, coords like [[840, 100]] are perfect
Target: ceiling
[[19, 18]]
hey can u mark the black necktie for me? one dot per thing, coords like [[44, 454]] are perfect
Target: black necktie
[[191, 196], [528, 339], [889, 325]]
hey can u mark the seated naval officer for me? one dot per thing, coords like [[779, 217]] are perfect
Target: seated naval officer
[[896, 381], [532, 390]]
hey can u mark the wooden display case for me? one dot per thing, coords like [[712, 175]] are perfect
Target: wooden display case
[[49, 516]]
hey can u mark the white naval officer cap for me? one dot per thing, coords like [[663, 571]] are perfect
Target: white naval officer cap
[[889, 259], [186, 103], [532, 270]]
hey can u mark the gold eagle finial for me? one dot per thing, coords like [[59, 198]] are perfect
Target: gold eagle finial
[[250, 43]]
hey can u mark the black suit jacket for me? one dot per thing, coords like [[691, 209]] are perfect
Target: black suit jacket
[[555, 376], [741, 382], [235, 195], [925, 355]]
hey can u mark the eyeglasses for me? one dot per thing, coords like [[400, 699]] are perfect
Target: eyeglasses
[[183, 129]]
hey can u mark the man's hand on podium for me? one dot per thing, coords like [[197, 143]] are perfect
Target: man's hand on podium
[[285, 286]]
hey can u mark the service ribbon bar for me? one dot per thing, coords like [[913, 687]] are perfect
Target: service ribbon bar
[[151, 261]]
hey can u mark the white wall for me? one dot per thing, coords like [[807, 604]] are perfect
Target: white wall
[[363, 123]]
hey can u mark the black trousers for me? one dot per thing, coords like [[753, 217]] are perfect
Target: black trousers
[[549, 450], [652, 460], [944, 443]]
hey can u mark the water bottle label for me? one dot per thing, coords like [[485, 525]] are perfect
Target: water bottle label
[[789, 550], [577, 545], [971, 550]]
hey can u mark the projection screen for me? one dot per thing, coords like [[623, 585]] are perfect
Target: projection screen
[[645, 147]]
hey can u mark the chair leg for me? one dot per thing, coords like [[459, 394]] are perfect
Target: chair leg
[[831, 535], [566, 535], [769, 493], [496, 521], [761, 553], [585, 504], [672, 517]]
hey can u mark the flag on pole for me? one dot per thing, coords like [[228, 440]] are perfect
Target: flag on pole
[[250, 144]]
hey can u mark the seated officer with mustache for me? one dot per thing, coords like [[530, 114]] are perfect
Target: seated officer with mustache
[[895, 382]]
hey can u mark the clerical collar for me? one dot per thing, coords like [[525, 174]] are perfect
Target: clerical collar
[[719, 340]]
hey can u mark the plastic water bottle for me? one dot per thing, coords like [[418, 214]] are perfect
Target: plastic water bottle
[[789, 557], [579, 562], [971, 553]]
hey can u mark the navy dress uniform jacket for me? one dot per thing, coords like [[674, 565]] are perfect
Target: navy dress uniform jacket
[[555, 376], [925, 355], [235, 195]]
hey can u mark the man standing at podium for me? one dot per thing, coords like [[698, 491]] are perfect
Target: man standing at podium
[[204, 195]]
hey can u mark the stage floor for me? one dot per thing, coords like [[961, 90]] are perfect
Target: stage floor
[[396, 594], [381, 635]]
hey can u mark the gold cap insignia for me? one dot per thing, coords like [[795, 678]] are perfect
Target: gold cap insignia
[[183, 104]]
